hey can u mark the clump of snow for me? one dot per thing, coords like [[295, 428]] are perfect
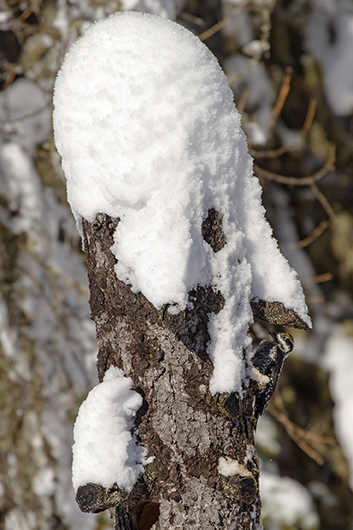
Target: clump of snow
[[148, 132], [338, 359], [104, 450], [286, 503], [229, 467]]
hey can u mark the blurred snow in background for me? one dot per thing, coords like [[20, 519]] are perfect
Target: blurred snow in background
[[286, 503], [338, 360], [329, 37]]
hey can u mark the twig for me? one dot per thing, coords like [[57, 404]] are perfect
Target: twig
[[311, 300], [319, 438], [322, 278], [308, 239], [282, 96], [305, 181], [324, 202], [299, 435], [26, 14], [222, 23], [10, 77], [308, 181], [290, 428], [319, 278], [274, 153], [191, 18], [309, 117], [242, 101]]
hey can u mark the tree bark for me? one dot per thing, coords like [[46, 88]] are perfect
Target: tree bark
[[184, 427]]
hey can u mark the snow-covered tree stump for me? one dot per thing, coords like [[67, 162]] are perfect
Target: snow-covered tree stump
[[183, 426], [180, 261]]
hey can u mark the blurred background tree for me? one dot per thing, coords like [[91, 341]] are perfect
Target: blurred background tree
[[290, 65]]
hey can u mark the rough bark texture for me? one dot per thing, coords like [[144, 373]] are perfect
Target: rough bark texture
[[275, 313], [180, 423]]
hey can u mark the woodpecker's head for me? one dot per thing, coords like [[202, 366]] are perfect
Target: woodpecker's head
[[284, 341]]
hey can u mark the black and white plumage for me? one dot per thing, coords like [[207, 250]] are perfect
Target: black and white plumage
[[268, 360]]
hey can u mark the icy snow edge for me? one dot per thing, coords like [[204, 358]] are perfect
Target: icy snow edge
[[148, 132], [104, 451]]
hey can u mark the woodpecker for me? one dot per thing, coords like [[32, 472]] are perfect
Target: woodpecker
[[268, 360]]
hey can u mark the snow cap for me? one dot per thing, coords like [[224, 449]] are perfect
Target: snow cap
[[148, 132]]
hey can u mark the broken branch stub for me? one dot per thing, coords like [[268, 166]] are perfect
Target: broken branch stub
[[276, 314]]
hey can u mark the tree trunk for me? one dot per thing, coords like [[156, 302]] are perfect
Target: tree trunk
[[184, 427]]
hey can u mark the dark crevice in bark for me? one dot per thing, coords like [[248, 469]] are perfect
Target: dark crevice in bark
[[147, 514], [212, 230], [191, 325]]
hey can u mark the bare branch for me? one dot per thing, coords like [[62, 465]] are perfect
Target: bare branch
[[275, 153], [315, 234], [282, 96], [242, 101], [300, 436], [305, 181], [323, 201], [222, 23]]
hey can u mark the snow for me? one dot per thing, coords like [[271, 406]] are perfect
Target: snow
[[104, 451], [163, 8], [329, 37], [255, 48], [54, 344], [25, 113], [286, 503], [229, 467], [321, 492], [43, 483], [20, 519], [7, 334], [148, 132], [267, 436], [248, 75], [338, 360], [244, 74], [22, 183]]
